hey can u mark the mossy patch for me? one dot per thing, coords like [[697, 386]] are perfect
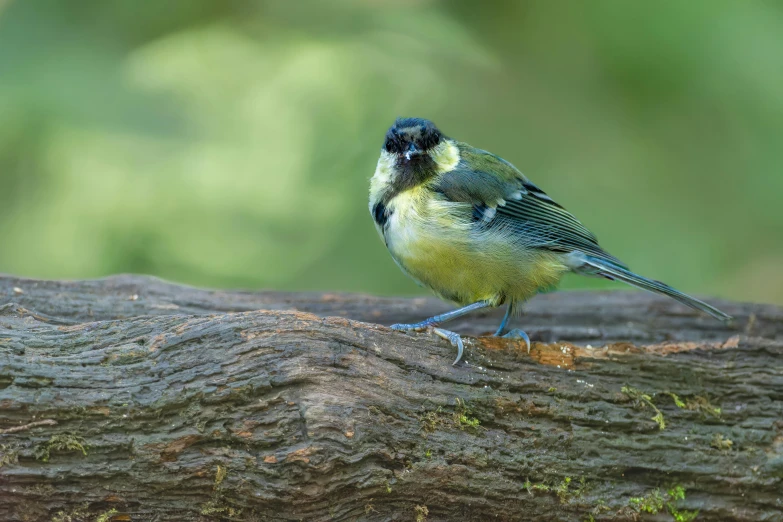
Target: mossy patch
[[677, 493], [703, 405], [431, 420], [676, 399], [8, 455], [421, 513], [567, 490], [599, 508], [679, 515], [220, 475], [683, 516], [652, 502], [462, 417], [77, 514], [643, 399], [107, 516], [564, 489], [41, 490], [720, 442], [218, 507], [60, 443], [655, 501], [538, 487]]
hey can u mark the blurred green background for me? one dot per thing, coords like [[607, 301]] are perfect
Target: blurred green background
[[230, 144]]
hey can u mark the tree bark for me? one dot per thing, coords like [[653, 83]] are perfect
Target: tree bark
[[129, 398]]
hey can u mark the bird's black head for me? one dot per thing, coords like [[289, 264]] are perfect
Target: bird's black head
[[411, 137]]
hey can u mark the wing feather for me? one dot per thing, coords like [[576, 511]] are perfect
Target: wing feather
[[487, 181]]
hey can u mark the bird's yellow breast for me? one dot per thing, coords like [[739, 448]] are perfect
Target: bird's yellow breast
[[438, 244]]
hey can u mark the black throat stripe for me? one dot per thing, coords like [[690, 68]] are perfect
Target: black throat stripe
[[409, 174]]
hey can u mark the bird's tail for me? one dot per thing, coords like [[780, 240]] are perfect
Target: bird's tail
[[600, 267]]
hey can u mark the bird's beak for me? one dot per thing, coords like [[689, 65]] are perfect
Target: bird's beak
[[412, 151]]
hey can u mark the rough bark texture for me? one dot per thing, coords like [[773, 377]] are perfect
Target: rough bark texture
[[130, 398]]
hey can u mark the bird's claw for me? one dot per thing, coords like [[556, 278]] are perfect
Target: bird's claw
[[516, 333], [454, 339]]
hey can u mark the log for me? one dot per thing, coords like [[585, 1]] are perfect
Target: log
[[129, 398]]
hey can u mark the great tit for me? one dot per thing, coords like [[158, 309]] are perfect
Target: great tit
[[469, 226]]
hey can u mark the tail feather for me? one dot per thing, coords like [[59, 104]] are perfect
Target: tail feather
[[600, 267]]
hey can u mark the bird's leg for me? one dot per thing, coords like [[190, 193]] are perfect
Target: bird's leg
[[442, 318], [503, 323], [516, 333], [452, 337]]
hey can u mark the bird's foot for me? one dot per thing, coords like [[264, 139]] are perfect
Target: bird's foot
[[414, 327], [454, 339], [450, 336], [516, 333]]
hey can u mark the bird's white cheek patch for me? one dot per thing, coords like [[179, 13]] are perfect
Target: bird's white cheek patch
[[382, 177], [446, 156], [385, 168]]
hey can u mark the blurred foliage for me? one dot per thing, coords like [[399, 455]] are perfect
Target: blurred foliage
[[230, 143]]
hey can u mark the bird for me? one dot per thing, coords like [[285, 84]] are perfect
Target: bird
[[469, 226]]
